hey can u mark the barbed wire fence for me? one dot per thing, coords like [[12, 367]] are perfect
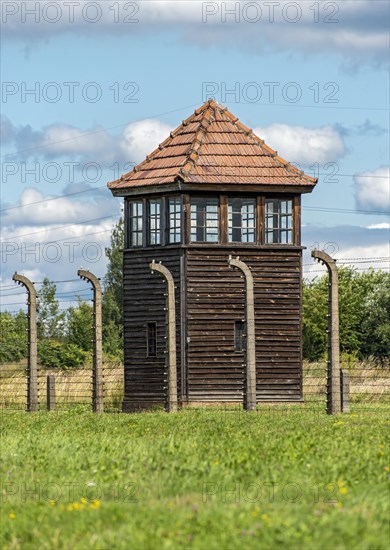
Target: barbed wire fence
[[369, 380]]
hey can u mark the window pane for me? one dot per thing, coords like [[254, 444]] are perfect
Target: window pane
[[242, 220], [204, 220], [151, 339], [278, 221], [239, 336], [154, 222], [135, 223], [174, 219]]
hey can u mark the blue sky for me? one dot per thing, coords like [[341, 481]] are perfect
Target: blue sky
[[328, 70]]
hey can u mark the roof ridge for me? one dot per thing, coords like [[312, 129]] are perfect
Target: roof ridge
[[200, 136]]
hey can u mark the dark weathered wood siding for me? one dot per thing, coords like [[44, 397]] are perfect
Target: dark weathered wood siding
[[144, 298], [216, 298], [210, 297]]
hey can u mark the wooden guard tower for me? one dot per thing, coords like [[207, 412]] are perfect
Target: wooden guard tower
[[210, 190]]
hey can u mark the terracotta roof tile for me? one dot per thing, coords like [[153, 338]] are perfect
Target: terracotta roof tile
[[212, 146]]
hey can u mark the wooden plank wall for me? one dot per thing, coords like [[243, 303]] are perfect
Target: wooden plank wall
[[215, 300], [144, 301]]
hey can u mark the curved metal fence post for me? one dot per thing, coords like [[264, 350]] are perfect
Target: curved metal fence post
[[97, 374], [333, 405], [172, 372], [250, 397], [32, 364]]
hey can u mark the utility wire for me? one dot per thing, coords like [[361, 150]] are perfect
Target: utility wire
[[105, 186]]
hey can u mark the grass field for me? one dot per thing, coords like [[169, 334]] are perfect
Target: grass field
[[282, 477]]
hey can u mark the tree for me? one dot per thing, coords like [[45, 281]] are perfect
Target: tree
[[314, 311], [364, 314], [59, 355], [13, 331], [79, 329], [376, 321], [50, 322], [113, 294]]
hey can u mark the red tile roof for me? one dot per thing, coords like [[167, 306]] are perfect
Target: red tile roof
[[213, 147]]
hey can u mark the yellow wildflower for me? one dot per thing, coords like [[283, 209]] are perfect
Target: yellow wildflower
[[12, 515], [95, 504]]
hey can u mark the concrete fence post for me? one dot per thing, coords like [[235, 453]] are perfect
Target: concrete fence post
[[97, 373], [172, 405], [333, 405], [51, 392], [344, 375], [32, 361], [250, 396]]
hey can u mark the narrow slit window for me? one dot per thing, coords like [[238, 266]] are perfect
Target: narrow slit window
[[151, 339], [136, 221], [278, 221], [154, 222], [242, 220], [239, 336], [204, 220], [174, 220]]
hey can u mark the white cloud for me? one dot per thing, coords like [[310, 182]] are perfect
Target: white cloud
[[62, 210], [356, 30], [141, 138], [43, 251], [364, 247], [96, 144], [379, 226], [372, 189], [304, 146]]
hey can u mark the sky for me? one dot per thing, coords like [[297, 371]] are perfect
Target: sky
[[90, 88]]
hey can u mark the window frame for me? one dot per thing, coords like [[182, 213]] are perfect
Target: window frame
[[129, 229], [158, 232], [151, 350], [239, 336], [279, 228], [177, 228], [199, 215], [232, 215]]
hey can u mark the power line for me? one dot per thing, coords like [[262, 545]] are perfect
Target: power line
[[335, 210], [378, 259], [53, 198], [345, 211], [94, 132], [66, 225], [105, 186]]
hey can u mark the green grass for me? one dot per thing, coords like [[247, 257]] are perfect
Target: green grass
[[283, 477]]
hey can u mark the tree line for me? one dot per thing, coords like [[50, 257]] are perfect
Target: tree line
[[66, 337]]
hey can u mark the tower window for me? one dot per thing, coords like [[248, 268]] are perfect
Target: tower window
[[278, 221], [136, 223], [154, 222], [242, 220], [151, 339], [239, 335], [174, 220], [204, 220]]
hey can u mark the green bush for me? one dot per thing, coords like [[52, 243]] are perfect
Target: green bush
[[56, 355], [13, 330]]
